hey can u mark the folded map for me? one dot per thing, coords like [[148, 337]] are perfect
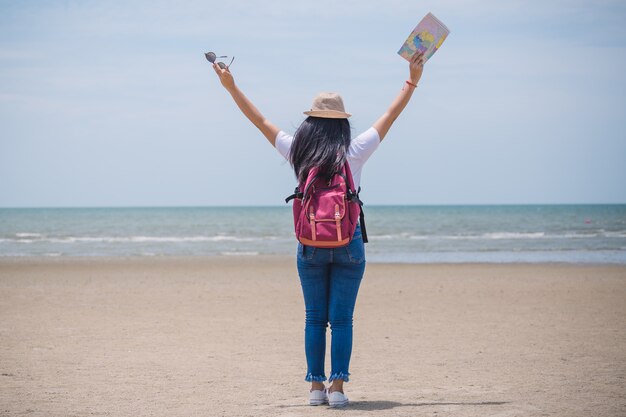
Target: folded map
[[427, 37]]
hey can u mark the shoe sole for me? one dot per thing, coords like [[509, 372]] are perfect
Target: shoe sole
[[318, 400], [339, 404]]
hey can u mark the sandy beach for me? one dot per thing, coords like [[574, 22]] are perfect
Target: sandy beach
[[223, 336]]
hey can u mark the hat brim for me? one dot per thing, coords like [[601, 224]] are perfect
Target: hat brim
[[328, 114]]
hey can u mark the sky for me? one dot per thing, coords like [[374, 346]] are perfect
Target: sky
[[113, 103]]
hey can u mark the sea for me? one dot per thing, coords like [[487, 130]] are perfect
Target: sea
[[397, 234]]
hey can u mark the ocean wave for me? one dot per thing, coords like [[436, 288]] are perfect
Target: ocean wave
[[141, 239], [20, 235], [381, 237], [514, 235], [521, 236], [239, 253], [389, 236], [28, 238], [483, 236]]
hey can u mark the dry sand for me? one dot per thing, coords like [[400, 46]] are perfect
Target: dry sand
[[224, 337]]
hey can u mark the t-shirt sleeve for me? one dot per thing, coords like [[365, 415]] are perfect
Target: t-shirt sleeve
[[364, 145], [283, 144]]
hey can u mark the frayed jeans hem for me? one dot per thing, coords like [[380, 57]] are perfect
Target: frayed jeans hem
[[317, 378], [340, 375]]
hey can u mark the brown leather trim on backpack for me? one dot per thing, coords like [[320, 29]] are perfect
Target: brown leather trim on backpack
[[328, 245]]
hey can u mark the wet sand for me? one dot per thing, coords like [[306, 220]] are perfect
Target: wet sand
[[223, 336]]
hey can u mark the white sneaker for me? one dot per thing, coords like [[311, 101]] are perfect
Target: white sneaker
[[318, 397], [337, 399]]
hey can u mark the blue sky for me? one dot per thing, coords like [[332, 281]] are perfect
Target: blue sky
[[113, 104]]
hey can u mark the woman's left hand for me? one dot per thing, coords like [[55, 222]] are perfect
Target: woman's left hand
[[416, 66]]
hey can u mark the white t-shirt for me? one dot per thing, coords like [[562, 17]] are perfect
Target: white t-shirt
[[359, 151]]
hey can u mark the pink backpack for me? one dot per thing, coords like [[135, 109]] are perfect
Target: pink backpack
[[326, 213]]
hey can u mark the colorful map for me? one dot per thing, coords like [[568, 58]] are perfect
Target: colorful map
[[427, 37]]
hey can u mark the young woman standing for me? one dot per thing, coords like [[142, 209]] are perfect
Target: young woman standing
[[330, 278]]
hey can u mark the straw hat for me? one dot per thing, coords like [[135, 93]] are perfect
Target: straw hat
[[329, 106]]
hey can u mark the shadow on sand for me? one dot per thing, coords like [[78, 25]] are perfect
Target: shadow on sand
[[386, 405]]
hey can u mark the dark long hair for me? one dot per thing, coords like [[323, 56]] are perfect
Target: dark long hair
[[319, 142]]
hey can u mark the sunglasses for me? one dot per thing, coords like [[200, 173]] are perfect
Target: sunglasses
[[211, 57]]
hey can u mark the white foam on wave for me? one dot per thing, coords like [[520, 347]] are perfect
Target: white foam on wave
[[225, 238], [26, 238], [424, 237], [503, 236], [484, 236], [619, 233], [20, 235], [382, 237], [152, 239], [390, 236], [514, 235], [239, 253], [138, 239], [574, 236]]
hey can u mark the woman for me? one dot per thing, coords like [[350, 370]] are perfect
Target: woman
[[330, 278]]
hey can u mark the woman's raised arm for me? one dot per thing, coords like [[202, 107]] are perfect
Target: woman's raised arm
[[383, 124], [266, 127]]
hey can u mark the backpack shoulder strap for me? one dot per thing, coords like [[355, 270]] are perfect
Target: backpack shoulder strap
[[296, 194], [353, 195], [302, 189], [348, 172]]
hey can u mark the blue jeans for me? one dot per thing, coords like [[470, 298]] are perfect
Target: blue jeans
[[330, 281]]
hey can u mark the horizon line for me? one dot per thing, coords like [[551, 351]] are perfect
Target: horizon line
[[289, 206]]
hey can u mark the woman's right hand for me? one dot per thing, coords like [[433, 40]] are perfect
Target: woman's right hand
[[269, 130], [226, 78]]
